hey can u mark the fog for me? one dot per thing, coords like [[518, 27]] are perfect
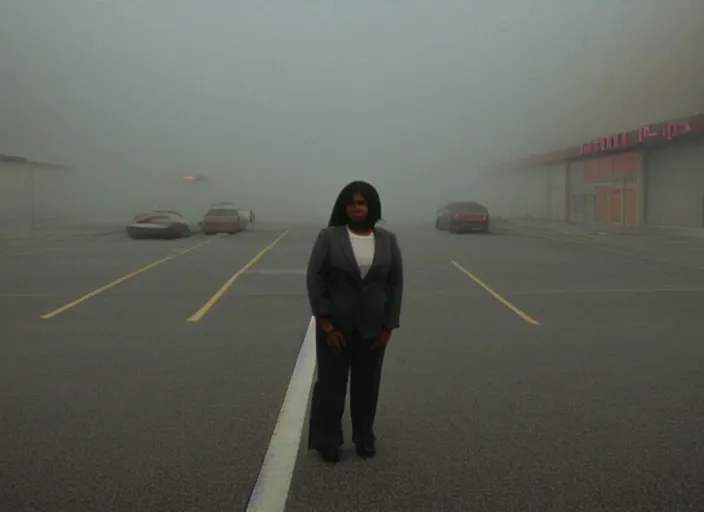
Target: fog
[[279, 104]]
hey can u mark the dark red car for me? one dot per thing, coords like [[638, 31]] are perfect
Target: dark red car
[[459, 217]]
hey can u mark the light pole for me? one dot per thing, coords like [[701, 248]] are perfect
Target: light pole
[[32, 200], [195, 199]]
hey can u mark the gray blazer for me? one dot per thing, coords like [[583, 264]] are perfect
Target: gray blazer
[[336, 290]]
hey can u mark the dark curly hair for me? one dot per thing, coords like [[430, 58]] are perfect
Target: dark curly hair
[[339, 217]]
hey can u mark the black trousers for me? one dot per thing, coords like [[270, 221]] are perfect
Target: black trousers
[[330, 389]]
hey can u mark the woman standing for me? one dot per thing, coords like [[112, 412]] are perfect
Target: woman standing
[[355, 288]]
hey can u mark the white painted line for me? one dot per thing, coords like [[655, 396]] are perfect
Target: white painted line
[[271, 490]]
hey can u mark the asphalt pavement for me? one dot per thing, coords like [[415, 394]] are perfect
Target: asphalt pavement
[[534, 371]]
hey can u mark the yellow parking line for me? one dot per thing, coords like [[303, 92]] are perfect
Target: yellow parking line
[[494, 294], [120, 280], [211, 302]]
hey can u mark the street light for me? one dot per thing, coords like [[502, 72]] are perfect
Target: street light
[[196, 177]]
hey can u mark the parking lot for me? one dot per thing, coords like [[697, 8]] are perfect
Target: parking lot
[[534, 370]]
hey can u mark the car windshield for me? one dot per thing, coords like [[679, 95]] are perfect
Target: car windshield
[[221, 212], [470, 207], [158, 217]]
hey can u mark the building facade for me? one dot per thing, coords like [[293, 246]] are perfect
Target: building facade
[[30, 192], [653, 175]]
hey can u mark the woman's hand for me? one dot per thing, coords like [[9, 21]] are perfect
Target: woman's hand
[[333, 338], [326, 325]]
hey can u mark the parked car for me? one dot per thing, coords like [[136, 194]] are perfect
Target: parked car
[[442, 218], [247, 217], [158, 224], [224, 218], [463, 216]]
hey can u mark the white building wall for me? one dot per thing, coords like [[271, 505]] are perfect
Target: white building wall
[[40, 195], [674, 186]]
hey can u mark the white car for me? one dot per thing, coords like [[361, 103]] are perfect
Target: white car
[[158, 224]]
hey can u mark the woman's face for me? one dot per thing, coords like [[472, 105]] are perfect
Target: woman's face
[[358, 209]]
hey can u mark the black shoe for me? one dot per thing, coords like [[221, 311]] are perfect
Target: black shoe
[[329, 454], [365, 450]]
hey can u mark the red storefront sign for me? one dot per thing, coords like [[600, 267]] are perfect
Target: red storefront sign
[[618, 142], [660, 131]]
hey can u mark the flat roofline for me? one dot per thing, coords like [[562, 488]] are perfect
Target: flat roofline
[[26, 162], [663, 131]]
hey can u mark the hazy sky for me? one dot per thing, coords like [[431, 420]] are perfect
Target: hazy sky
[[285, 100]]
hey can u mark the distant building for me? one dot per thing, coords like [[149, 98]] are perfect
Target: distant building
[[652, 175], [28, 191]]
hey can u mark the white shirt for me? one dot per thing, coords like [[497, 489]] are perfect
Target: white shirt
[[363, 248]]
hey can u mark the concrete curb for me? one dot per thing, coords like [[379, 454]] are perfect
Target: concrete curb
[[600, 229]]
